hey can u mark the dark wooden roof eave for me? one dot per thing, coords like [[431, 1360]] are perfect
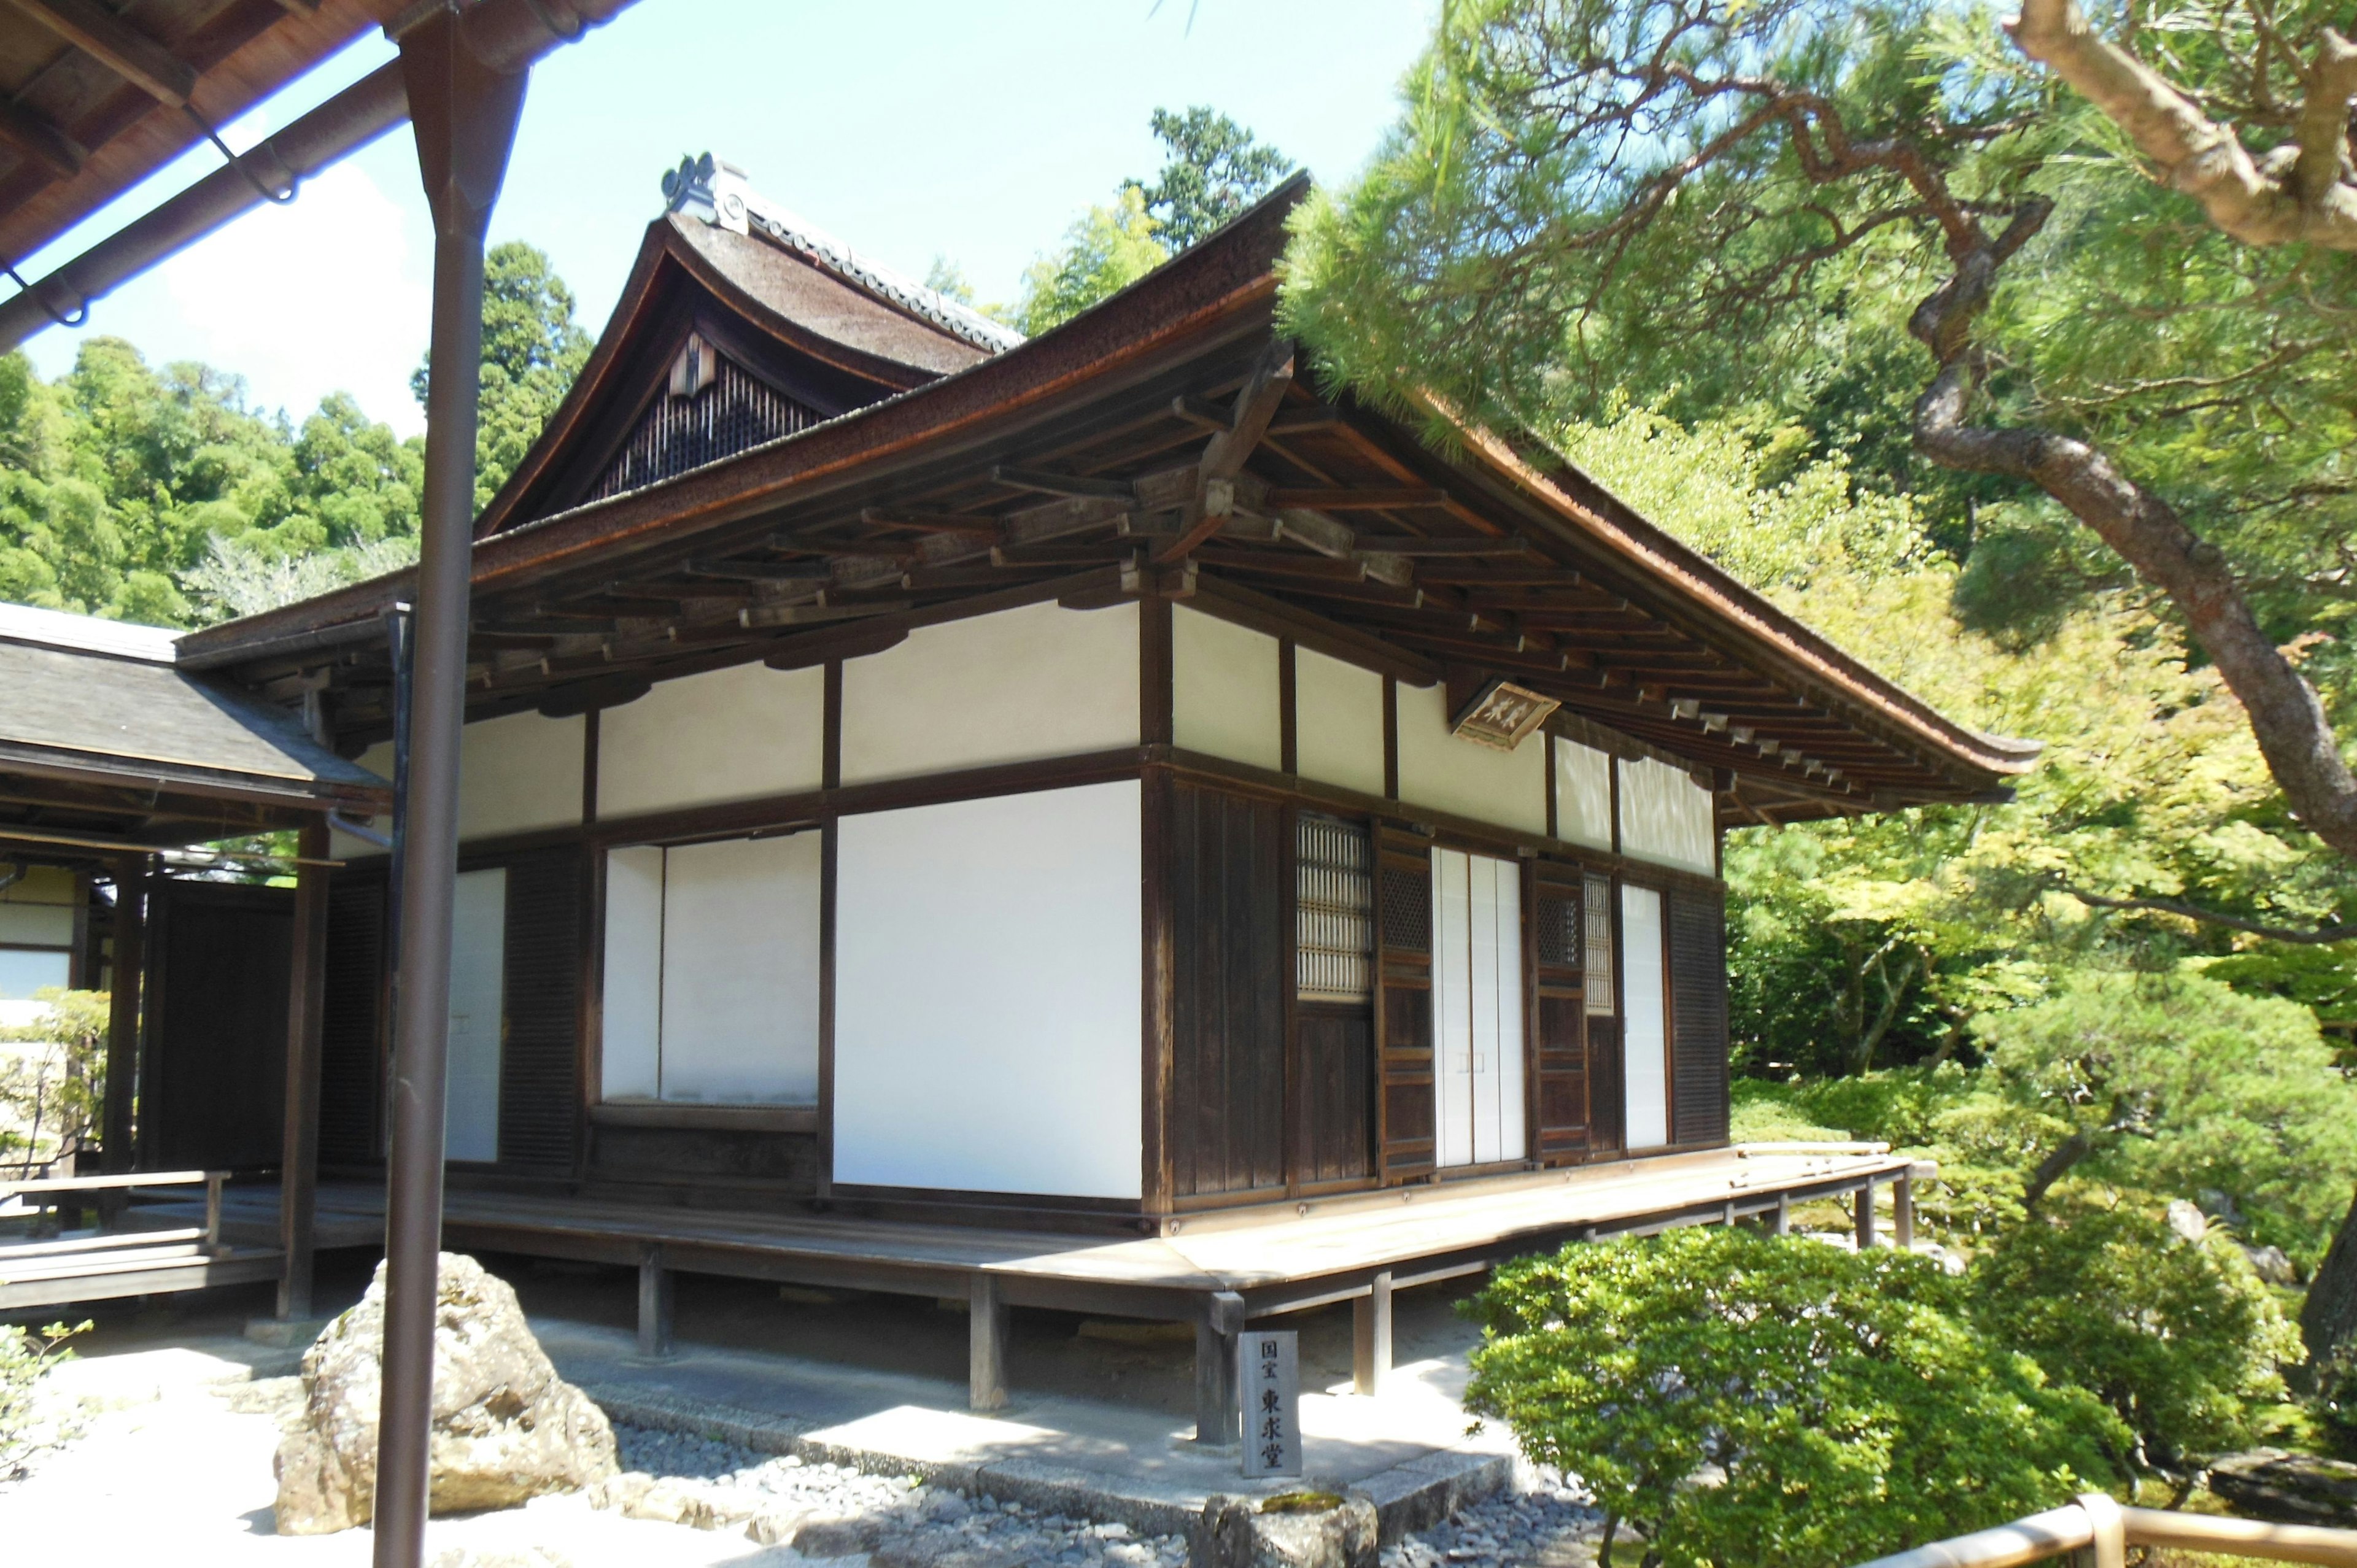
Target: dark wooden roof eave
[[1893, 748]]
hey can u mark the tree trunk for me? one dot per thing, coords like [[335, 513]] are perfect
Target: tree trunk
[[2054, 1167], [2286, 716], [2329, 1318]]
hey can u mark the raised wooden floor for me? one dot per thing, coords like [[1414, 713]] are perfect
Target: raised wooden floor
[[1217, 1270]]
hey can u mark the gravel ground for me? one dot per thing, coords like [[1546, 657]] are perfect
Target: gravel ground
[[1543, 1522], [917, 1526]]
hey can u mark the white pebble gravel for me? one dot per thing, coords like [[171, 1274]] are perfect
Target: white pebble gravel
[[919, 1526], [1542, 1520]]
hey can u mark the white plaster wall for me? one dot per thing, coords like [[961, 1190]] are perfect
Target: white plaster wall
[[1646, 1081], [470, 1100], [1665, 817], [630, 1030], [987, 974], [1225, 698], [1506, 789], [724, 735], [377, 759], [1040, 680], [1583, 794], [519, 773], [1337, 722]]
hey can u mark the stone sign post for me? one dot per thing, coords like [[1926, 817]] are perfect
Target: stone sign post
[[1268, 1386]]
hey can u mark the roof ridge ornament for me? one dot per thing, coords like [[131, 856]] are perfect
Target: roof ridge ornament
[[718, 192], [708, 188]]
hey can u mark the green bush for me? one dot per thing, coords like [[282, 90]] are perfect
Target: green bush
[[25, 1356], [1777, 1403], [2333, 1399], [2181, 1339]]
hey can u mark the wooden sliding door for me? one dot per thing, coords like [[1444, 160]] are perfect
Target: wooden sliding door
[[1561, 1089]]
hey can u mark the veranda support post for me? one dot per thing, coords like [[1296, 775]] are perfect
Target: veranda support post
[[464, 112]]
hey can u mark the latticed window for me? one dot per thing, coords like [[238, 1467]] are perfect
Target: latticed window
[[714, 410], [1598, 900], [1334, 908]]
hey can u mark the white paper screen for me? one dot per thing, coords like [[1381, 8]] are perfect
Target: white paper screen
[[1477, 1000], [479, 925], [1644, 1014]]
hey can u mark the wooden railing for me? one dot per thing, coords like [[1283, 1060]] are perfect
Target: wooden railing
[[43, 1192], [2097, 1532]]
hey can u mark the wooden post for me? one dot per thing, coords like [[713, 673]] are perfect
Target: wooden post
[[1864, 1210], [213, 1209], [298, 1166], [1783, 1214], [1215, 1368], [1371, 1336], [123, 1011], [654, 1306], [1902, 1212], [985, 1374]]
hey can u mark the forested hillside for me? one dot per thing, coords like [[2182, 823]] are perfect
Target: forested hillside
[[156, 494]]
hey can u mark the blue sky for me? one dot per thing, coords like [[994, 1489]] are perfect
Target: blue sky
[[908, 127]]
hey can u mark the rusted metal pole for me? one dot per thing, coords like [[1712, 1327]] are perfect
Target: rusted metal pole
[[465, 114], [298, 1165]]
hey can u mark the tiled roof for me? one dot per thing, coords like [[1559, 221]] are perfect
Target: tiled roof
[[718, 192]]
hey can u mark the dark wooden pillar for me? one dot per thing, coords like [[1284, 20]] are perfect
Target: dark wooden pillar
[[298, 1166], [130, 874], [463, 110], [1863, 1211], [985, 1343], [656, 1299]]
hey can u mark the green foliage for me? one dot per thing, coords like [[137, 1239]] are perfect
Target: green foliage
[[53, 1083], [532, 351], [2333, 1398], [25, 1429], [1846, 1402], [1105, 251], [1216, 170], [2180, 1337]]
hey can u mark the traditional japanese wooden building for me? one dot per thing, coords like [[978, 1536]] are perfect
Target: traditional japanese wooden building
[[922, 785]]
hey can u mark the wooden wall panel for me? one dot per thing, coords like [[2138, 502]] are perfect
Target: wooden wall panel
[[1227, 1126], [540, 1089], [1698, 1044], [1558, 1034], [1335, 1135], [213, 1087], [352, 1041], [1404, 1110]]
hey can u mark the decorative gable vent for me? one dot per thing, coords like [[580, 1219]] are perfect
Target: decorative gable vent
[[709, 409]]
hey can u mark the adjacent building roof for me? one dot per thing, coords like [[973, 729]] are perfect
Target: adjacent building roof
[[1077, 465], [105, 742]]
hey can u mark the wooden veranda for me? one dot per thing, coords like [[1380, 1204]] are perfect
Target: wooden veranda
[[1219, 1270]]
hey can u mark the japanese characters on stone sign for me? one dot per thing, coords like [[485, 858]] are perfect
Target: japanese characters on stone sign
[[1268, 1382]]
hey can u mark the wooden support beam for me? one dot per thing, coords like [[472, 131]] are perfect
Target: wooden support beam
[[655, 1305], [972, 525], [1783, 1226], [1863, 1211], [1371, 1336], [1054, 484], [44, 143], [1902, 1213], [1346, 498], [129, 963], [115, 44], [985, 1343], [1214, 496], [1409, 545], [299, 1172]]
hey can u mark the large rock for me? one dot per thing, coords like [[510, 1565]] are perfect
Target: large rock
[[506, 1428], [1293, 1530], [2289, 1488]]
